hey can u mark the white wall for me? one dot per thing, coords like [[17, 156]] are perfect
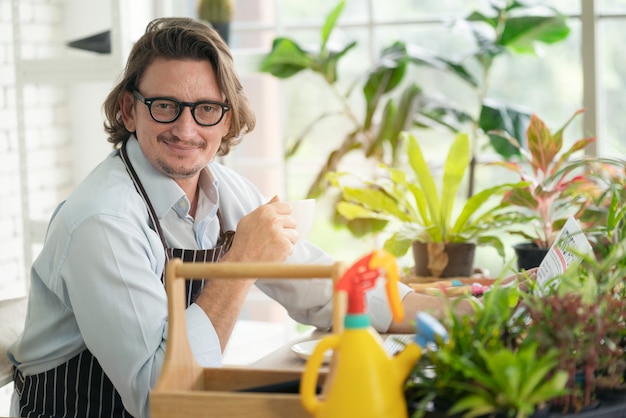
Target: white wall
[[45, 139], [64, 135]]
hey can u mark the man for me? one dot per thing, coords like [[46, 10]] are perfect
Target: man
[[96, 326]]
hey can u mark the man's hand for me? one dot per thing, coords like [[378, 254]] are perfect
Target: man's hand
[[435, 305], [266, 234], [524, 278]]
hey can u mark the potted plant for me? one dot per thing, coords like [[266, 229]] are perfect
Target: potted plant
[[558, 352], [481, 370], [522, 354], [393, 102], [556, 188], [219, 14], [432, 220]]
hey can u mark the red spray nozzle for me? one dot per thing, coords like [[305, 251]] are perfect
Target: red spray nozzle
[[362, 276]]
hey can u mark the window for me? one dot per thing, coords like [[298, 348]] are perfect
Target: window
[[587, 70], [554, 84]]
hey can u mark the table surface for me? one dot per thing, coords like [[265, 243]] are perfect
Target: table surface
[[285, 359]]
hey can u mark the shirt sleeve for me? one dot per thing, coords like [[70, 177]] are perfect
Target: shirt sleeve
[[378, 304], [310, 301]]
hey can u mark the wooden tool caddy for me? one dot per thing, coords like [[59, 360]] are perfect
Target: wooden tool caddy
[[185, 389]]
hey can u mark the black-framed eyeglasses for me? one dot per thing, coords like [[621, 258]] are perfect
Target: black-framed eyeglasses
[[166, 110]]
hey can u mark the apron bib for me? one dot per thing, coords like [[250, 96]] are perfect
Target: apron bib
[[79, 387]]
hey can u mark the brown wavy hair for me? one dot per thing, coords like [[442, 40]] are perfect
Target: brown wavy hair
[[181, 38]]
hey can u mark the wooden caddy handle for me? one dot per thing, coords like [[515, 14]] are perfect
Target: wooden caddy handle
[[180, 368]]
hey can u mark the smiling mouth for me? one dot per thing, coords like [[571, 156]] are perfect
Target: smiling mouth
[[179, 145]]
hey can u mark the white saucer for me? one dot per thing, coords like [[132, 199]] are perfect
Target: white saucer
[[304, 350]]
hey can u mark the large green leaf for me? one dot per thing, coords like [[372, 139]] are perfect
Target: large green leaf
[[521, 33], [398, 245], [387, 126], [421, 203], [328, 65], [454, 170], [477, 202], [383, 77], [329, 24], [499, 116], [286, 59], [362, 227], [422, 56], [435, 112], [352, 211], [477, 16], [424, 177], [403, 118], [376, 201]]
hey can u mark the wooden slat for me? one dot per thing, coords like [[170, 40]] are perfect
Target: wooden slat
[[231, 379], [186, 389], [226, 404], [256, 270]]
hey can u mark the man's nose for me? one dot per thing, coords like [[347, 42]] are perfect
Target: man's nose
[[185, 121]]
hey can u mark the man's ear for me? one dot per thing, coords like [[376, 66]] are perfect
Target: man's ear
[[127, 108]]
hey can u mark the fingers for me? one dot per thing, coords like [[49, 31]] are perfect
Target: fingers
[[266, 234], [282, 212], [530, 274]]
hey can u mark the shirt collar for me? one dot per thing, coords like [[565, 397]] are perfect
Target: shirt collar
[[163, 192]]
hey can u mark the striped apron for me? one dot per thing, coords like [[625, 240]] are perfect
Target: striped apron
[[79, 387]]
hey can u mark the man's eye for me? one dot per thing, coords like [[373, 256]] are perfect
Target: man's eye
[[165, 105], [207, 108]]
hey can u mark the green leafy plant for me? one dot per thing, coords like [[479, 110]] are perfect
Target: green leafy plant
[[512, 382], [605, 219], [556, 187], [481, 369], [583, 319], [411, 205], [520, 351], [394, 103]]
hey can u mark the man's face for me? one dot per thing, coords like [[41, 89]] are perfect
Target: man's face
[[179, 149]]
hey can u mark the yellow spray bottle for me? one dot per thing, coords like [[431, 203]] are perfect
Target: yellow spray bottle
[[366, 381]]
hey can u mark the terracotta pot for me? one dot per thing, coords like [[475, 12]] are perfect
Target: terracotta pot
[[529, 255], [444, 260]]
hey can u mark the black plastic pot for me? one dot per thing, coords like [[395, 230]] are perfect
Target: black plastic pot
[[529, 255]]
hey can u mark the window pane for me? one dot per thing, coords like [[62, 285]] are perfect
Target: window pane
[[548, 84], [418, 9], [614, 86], [567, 7], [315, 12], [412, 9], [612, 6]]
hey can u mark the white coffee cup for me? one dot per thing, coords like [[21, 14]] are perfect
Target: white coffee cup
[[304, 213]]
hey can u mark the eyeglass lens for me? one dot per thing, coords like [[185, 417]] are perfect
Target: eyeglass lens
[[165, 110]]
